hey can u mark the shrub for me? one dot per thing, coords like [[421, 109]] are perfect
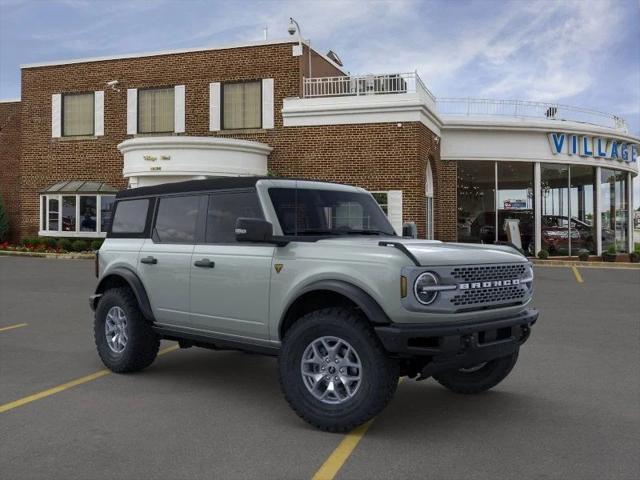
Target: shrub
[[65, 244], [49, 242], [80, 246], [96, 244], [611, 249], [4, 223], [543, 254], [25, 241], [583, 254]]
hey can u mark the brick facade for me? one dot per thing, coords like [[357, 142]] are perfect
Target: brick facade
[[381, 156], [10, 162]]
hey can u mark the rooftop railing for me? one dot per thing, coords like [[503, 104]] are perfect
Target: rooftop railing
[[525, 109], [356, 85], [399, 83]]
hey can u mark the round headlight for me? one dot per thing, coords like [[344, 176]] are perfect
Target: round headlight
[[423, 288]]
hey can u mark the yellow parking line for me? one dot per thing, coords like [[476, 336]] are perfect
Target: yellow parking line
[[11, 327], [65, 386], [576, 273], [339, 456], [334, 463]]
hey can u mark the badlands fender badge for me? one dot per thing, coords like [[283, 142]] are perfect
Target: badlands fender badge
[[278, 267]]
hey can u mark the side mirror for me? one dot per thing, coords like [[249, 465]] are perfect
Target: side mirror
[[410, 230], [254, 230]]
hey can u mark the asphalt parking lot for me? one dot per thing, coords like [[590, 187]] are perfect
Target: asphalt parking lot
[[570, 408]]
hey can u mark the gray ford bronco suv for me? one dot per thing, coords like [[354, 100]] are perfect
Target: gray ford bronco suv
[[314, 274]]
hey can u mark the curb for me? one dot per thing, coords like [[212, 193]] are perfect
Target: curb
[[61, 256], [577, 263]]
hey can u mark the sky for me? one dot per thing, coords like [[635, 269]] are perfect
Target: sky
[[577, 52]]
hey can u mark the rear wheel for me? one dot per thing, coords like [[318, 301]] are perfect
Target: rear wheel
[[478, 378], [124, 339], [333, 371]]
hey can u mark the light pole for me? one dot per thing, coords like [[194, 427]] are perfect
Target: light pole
[[293, 28]]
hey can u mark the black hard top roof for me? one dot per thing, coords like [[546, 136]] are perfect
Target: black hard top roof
[[219, 183]]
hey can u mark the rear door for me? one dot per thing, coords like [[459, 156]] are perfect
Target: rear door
[[165, 259], [230, 280]]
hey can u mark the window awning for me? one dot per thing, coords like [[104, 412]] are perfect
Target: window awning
[[80, 186]]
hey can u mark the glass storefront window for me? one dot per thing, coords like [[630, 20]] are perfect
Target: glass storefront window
[[554, 186], [516, 202], [88, 214], [614, 210], [69, 214], [581, 205], [476, 202]]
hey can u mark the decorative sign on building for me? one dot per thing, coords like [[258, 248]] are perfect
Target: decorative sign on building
[[589, 146]]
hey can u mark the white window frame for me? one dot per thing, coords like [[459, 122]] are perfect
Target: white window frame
[[44, 216]]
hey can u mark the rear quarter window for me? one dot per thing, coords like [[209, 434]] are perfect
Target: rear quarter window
[[130, 216]]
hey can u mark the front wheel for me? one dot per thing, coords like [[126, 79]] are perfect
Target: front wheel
[[478, 378], [333, 371]]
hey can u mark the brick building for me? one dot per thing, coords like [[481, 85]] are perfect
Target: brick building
[[85, 128]]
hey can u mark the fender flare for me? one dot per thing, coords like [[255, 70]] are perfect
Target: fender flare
[[134, 282], [362, 299]]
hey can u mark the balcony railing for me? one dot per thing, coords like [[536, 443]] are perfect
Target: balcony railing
[[356, 85], [521, 108]]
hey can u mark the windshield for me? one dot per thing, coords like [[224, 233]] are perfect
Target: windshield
[[328, 212]]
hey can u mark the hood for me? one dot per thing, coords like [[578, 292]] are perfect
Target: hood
[[433, 252]]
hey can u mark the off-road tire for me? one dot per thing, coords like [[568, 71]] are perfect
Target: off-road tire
[[480, 380], [379, 372], [142, 344]]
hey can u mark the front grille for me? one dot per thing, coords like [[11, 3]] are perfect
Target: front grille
[[491, 295], [481, 273]]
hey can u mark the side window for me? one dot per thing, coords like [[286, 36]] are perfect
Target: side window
[[225, 209], [176, 219], [130, 216]]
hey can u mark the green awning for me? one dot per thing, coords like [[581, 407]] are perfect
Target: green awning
[[80, 186]]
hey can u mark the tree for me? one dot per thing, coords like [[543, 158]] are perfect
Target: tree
[[4, 222]]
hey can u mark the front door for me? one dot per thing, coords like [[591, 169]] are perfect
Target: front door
[[230, 280], [165, 259]]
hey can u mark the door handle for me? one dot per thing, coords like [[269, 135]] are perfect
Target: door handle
[[205, 263], [149, 260]]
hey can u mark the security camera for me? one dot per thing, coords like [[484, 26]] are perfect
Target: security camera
[[112, 85], [292, 27]]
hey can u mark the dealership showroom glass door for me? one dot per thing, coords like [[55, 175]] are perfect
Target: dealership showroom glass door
[[568, 209]]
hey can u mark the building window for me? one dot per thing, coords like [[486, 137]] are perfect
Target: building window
[[582, 208], [383, 200], [242, 105], [88, 213], [78, 114], [69, 213], [516, 202], [106, 211], [476, 202], [614, 210], [75, 215], [53, 213], [156, 110]]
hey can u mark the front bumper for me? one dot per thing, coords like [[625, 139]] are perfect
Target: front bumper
[[447, 347]]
